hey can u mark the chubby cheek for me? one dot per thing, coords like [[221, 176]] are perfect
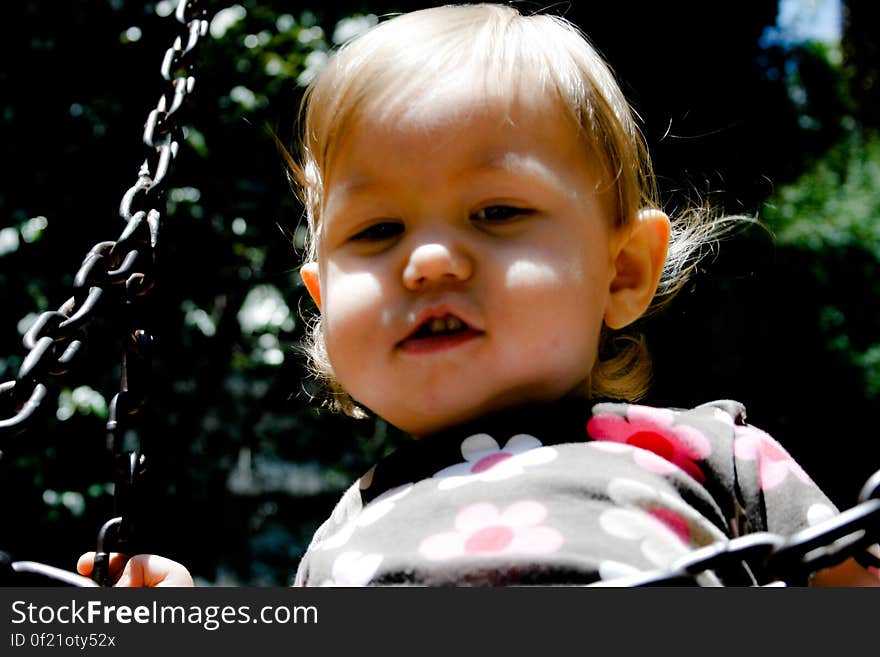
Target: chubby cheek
[[350, 316], [558, 308]]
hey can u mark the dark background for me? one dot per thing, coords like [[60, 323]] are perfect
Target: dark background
[[242, 465]]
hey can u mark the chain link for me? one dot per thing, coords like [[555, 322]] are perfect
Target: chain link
[[114, 277], [778, 559], [111, 272]]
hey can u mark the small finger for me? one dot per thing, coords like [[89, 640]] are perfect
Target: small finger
[[153, 571], [86, 564]]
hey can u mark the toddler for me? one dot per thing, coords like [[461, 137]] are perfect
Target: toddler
[[484, 228]]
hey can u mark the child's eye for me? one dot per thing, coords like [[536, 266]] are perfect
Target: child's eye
[[496, 214], [384, 230]]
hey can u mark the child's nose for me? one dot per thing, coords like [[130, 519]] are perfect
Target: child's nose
[[434, 263]]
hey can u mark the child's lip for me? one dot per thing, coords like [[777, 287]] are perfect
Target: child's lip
[[436, 343], [437, 312]]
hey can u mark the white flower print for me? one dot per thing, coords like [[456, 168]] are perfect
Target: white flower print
[[611, 570], [664, 525], [819, 513], [642, 457], [376, 509], [353, 569], [485, 461]]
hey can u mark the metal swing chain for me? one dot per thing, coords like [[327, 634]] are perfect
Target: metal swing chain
[[123, 271], [782, 559]]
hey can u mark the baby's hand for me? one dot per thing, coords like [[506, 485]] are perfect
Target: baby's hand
[[140, 570]]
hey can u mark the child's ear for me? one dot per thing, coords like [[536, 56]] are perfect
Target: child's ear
[[309, 274], [638, 264]]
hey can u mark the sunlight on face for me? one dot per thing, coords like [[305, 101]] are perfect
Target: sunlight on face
[[524, 272], [465, 258]]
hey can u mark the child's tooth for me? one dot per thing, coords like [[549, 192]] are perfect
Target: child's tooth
[[453, 324], [437, 325]]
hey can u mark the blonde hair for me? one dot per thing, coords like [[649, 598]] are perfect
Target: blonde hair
[[545, 54]]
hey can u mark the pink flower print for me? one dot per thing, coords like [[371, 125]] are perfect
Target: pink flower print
[[660, 547], [774, 463], [482, 530], [484, 460], [654, 430], [665, 527]]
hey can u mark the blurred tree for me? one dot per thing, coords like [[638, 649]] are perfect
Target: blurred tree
[[236, 454], [828, 289], [794, 332], [862, 59]]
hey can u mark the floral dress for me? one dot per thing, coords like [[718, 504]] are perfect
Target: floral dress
[[569, 494]]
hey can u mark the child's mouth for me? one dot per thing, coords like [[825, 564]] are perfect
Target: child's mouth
[[438, 333], [448, 325]]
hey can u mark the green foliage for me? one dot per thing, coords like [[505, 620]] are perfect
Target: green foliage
[[834, 204], [832, 212]]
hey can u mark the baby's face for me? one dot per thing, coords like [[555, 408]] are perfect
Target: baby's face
[[464, 260]]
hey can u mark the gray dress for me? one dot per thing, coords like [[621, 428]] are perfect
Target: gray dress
[[568, 494]]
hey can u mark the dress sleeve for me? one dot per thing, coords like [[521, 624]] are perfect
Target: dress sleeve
[[762, 487], [777, 495]]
